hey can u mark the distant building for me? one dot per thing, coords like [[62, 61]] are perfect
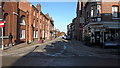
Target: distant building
[[62, 34], [69, 29]]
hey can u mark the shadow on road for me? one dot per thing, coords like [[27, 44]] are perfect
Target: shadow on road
[[51, 54]]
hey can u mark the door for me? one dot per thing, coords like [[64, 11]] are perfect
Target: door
[[97, 37]]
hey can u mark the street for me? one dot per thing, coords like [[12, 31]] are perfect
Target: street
[[62, 53]]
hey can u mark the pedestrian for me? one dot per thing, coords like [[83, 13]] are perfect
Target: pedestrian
[[10, 40]]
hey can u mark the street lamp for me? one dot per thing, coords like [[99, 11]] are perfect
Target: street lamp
[[27, 13]]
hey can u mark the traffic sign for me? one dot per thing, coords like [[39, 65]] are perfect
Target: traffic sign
[[81, 28], [2, 24]]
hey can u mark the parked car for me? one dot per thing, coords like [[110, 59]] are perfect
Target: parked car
[[68, 37], [110, 43]]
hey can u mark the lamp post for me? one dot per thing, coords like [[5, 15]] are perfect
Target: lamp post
[[27, 13]]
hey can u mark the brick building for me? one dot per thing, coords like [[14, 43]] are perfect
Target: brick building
[[11, 20], [101, 20], [49, 27], [77, 25], [96, 21], [26, 22]]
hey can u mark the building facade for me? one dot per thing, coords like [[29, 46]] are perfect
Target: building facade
[[49, 27], [11, 20], [101, 21], [25, 22], [96, 21]]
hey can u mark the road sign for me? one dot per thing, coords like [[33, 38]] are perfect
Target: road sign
[[81, 28], [2, 24]]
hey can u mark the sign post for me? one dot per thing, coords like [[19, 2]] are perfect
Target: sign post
[[2, 25], [2, 40]]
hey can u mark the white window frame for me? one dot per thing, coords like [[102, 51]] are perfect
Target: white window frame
[[34, 23], [34, 34], [34, 13], [22, 34], [37, 15], [99, 10], [22, 22], [115, 10]]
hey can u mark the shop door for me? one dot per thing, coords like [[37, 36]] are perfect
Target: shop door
[[97, 37]]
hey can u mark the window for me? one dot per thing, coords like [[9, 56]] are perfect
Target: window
[[87, 15], [115, 11], [40, 26], [34, 23], [43, 18], [34, 13], [34, 34], [22, 22], [43, 33], [22, 34], [92, 11], [37, 15], [99, 10], [98, 19]]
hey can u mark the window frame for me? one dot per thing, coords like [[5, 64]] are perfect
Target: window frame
[[114, 11], [22, 34]]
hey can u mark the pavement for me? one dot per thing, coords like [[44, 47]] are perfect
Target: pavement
[[22, 48], [80, 49]]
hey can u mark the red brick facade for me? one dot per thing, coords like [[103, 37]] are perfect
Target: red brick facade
[[26, 22], [11, 20], [98, 19]]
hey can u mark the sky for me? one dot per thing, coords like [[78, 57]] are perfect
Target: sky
[[61, 12]]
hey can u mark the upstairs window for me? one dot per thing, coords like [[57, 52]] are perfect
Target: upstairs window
[[34, 13], [34, 23], [99, 10], [22, 22], [115, 11], [92, 12], [37, 15]]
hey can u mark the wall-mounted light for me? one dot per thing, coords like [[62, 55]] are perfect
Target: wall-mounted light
[[15, 13]]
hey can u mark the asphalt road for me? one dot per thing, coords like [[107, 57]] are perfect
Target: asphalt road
[[60, 53]]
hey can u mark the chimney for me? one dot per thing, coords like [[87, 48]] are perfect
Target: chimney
[[38, 7]]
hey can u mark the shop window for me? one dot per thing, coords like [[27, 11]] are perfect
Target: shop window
[[92, 11], [98, 19]]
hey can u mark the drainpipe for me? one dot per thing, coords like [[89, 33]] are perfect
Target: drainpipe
[[1, 10]]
